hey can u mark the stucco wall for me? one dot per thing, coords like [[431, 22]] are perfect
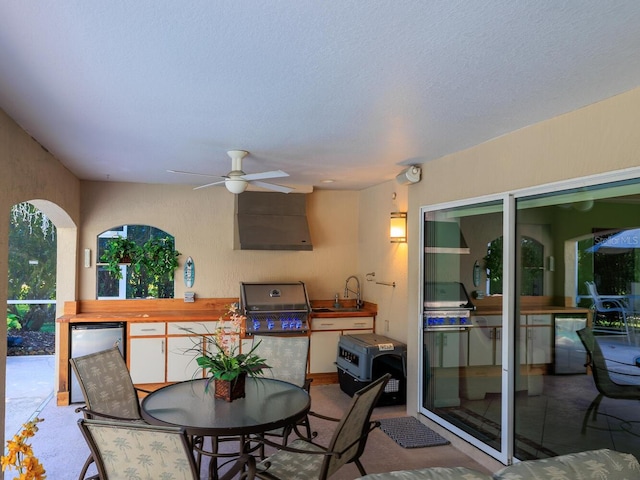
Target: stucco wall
[[29, 173], [202, 222]]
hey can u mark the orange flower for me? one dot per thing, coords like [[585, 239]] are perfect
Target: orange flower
[[20, 455]]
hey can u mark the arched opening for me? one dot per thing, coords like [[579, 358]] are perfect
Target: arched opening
[[41, 276]]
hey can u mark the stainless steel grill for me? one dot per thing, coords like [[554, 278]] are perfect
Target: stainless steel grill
[[446, 306], [276, 308]]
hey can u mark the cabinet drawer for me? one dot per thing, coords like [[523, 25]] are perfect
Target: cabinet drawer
[[201, 328], [146, 329], [344, 323], [357, 323]]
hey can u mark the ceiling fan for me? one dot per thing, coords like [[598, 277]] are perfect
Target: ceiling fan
[[237, 181]]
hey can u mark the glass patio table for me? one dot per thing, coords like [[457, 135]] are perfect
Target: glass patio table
[[268, 405]]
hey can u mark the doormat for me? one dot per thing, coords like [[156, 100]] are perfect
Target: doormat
[[409, 432]]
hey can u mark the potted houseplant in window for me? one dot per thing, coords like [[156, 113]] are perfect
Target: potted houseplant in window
[[119, 250], [226, 367], [160, 259], [152, 264]]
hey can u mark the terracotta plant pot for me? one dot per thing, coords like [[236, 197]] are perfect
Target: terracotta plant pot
[[230, 390]]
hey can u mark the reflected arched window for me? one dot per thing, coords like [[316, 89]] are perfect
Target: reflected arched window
[[138, 278], [531, 267]]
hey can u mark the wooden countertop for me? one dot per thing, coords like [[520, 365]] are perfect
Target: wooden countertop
[[174, 310], [492, 305], [532, 310], [368, 310]]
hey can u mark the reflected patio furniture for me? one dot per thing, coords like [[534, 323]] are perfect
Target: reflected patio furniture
[[304, 459], [601, 376], [287, 357], [130, 450], [603, 306], [108, 390]]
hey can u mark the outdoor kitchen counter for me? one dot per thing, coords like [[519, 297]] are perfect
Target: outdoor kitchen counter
[[164, 310], [539, 305]]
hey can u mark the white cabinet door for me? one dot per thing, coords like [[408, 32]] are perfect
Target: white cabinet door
[[181, 358], [539, 339], [147, 359], [481, 346], [454, 349], [485, 344], [323, 351]]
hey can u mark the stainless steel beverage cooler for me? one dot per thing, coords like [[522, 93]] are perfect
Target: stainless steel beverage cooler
[[89, 338]]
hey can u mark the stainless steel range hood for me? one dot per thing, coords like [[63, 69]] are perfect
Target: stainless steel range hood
[[271, 221], [444, 237]]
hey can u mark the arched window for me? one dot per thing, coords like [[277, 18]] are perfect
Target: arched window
[[531, 267], [145, 275]]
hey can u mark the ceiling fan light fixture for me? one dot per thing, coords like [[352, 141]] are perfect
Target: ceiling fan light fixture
[[236, 186]]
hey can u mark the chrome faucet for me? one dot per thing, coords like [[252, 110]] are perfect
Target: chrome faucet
[[359, 302]]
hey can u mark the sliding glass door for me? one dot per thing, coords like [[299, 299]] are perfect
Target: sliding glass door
[[512, 379]]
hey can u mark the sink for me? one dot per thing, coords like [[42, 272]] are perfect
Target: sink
[[335, 310]]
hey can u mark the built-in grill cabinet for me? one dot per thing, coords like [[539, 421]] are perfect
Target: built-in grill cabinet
[[275, 308]]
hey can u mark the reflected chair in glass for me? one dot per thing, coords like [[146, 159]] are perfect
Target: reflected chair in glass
[[605, 385], [304, 459], [108, 390], [125, 450], [287, 357], [603, 307]]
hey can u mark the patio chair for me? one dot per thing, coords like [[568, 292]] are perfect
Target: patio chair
[[125, 450], [108, 390], [605, 385], [287, 357], [304, 459], [604, 306]]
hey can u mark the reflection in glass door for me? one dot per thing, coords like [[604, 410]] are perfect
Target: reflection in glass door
[[462, 321]]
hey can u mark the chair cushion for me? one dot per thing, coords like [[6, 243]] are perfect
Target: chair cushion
[[432, 473], [602, 464], [285, 464]]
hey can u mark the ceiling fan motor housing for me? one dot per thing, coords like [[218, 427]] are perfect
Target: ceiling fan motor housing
[[235, 185]]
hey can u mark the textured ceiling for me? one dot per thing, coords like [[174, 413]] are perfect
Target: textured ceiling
[[347, 90]]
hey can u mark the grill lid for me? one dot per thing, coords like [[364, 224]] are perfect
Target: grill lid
[[274, 297], [446, 295]]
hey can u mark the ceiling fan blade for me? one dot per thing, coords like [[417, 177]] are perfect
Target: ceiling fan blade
[[272, 186], [209, 185], [193, 173], [263, 175]]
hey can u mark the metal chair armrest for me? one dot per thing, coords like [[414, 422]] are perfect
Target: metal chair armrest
[[93, 414], [324, 417]]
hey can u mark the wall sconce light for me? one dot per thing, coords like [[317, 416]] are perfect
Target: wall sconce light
[[398, 227]]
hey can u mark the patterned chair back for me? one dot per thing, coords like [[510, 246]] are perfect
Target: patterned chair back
[[106, 384], [286, 355], [353, 425], [131, 450]]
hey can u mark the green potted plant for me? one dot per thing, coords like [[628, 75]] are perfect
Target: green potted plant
[[226, 367], [119, 250], [160, 259]]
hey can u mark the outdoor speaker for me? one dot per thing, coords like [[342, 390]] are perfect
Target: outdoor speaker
[[409, 175]]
